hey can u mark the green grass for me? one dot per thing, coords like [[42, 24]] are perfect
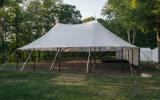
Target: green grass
[[51, 86]]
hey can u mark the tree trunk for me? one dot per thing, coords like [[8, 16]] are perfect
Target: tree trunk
[[134, 35], [129, 35], [4, 42]]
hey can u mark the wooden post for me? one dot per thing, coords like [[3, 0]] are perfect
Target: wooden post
[[54, 60], [59, 60], [139, 60], [158, 44], [90, 63], [33, 59], [122, 69], [17, 59], [89, 54], [26, 61], [159, 54], [130, 63], [94, 59], [134, 72], [38, 56]]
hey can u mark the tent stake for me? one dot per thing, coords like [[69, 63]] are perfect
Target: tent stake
[[26, 61], [89, 54], [54, 59]]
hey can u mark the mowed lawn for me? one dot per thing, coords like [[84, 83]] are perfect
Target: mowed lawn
[[69, 86]]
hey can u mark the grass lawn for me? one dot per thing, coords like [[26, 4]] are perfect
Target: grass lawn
[[50, 86]]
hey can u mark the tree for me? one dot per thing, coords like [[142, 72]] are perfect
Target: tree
[[22, 22], [134, 15], [122, 12], [88, 19], [1, 2], [68, 14]]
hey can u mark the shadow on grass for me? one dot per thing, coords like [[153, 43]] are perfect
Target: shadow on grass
[[69, 86]]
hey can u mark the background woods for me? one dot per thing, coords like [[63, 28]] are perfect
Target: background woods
[[23, 21]]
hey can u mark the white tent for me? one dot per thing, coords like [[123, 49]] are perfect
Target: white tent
[[86, 37], [91, 34], [155, 55], [145, 54]]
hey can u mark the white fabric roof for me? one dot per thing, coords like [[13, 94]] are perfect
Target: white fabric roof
[[145, 54], [92, 49], [91, 34], [155, 55]]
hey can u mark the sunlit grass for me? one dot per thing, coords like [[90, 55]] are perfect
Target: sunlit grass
[[64, 86]]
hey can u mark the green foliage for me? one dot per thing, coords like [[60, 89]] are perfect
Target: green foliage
[[132, 17], [88, 19], [1, 3], [22, 22], [68, 14]]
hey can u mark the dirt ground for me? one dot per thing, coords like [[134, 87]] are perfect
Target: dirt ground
[[79, 66]]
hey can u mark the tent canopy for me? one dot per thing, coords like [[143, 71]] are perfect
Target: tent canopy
[[145, 54], [155, 55], [91, 34]]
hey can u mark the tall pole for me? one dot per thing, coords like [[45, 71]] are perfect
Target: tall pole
[[139, 60], [158, 32], [158, 44], [89, 54], [59, 60], [94, 57], [122, 54], [90, 63], [17, 59], [33, 59]]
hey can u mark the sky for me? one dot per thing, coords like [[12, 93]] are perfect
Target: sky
[[88, 8]]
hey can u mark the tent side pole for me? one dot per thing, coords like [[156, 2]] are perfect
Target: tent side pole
[[38, 56], [54, 59], [122, 54], [133, 64], [17, 59], [26, 61], [89, 54], [130, 65], [139, 60], [90, 62], [94, 59], [59, 60], [33, 59]]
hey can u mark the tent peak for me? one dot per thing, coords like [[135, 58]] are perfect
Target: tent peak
[[91, 22]]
